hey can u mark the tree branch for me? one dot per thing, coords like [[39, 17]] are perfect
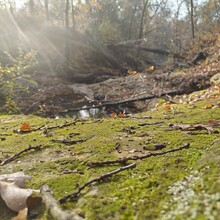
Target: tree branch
[[126, 159], [98, 179], [9, 159], [126, 101]]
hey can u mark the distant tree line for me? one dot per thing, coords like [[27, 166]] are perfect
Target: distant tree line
[[153, 24]]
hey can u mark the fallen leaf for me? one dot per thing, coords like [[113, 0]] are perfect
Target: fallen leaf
[[11, 192], [18, 178], [121, 115], [113, 115], [208, 106], [167, 107], [25, 127], [14, 196], [151, 68]]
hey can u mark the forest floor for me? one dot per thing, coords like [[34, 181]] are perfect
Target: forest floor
[[160, 163], [55, 94], [175, 148]]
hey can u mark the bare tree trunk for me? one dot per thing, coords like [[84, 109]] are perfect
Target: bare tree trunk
[[67, 14], [32, 7], [12, 8], [46, 2], [132, 20], [145, 3], [67, 32], [73, 16], [192, 18]]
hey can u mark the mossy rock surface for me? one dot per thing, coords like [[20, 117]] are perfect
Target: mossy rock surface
[[179, 185]]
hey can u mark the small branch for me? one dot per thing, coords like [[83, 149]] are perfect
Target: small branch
[[152, 123], [188, 127], [53, 208], [98, 179], [7, 160], [70, 142], [126, 159]]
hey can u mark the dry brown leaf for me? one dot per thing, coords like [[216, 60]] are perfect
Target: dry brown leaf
[[19, 178], [11, 192], [14, 197]]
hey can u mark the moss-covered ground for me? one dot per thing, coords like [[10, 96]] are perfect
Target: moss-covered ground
[[180, 185]]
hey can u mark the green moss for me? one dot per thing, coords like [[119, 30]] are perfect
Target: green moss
[[140, 193]]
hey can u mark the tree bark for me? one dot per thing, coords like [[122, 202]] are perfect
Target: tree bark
[[46, 3], [67, 14], [73, 16], [132, 20], [141, 30], [192, 18], [32, 7]]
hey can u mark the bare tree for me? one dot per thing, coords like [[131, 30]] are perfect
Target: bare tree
[[132, 19], [141, 29], [192, 18], [73, 15], [32, 7], [67, 14], [46, 3]]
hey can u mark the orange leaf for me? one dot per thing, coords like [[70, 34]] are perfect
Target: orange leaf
[[25, 127], [167, 107], [208, 106], [120, 115], [113, 115], [151, 68]]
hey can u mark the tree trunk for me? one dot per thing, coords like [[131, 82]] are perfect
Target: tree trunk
[[32, 7], [73, 16], [67, 14], [132, 20], [46, 2], [145, 3], [192, 18], [67, 32]]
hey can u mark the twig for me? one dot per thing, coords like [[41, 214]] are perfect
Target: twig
[[53, 208], [152, 123], [70, 142], [9, 159], [126, 159], [45, 128], [102, 177], [188, 127], [61, 126]]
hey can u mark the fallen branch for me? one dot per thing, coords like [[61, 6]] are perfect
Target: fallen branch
[[124, 160], [152, 123], [98, 179], [61, 126], [53, 208], [126, 101], [70, 142], [9, 159], [196, 127]]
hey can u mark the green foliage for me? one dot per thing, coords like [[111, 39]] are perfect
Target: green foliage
[[14, 79]]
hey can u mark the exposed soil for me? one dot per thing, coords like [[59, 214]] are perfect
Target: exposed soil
[[55, 95]]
